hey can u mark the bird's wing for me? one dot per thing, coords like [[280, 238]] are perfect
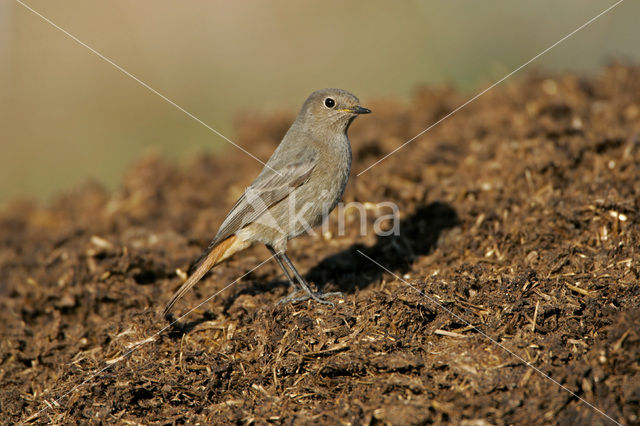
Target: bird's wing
[[272, 185]]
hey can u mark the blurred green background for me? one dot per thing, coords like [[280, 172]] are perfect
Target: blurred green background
[[68, 116]]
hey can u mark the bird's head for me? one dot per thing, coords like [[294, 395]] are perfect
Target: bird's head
[[330, 109]]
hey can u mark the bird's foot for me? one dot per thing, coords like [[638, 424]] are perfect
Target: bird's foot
[[318, 297]]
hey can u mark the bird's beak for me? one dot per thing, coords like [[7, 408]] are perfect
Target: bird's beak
[[357, 110]]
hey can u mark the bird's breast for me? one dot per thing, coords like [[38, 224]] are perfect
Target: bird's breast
[[330, 176]]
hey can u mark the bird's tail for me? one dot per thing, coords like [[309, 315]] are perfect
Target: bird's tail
[[223, 250]]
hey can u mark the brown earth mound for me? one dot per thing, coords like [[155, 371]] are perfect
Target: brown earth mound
[[518, 244]]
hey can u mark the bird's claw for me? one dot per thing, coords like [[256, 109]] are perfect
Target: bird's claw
[[318, 297]]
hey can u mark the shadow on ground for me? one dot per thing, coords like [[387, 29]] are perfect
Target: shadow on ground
[[419, 233]]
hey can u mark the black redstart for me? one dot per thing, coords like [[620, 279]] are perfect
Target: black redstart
[[301, 183]]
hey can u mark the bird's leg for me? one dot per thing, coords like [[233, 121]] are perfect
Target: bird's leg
[[295, 288], [292, 282], [318, 297]]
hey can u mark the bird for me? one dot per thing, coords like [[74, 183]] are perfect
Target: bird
[[300, 184]]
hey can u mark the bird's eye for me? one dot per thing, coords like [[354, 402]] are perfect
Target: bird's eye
[[329, 103]]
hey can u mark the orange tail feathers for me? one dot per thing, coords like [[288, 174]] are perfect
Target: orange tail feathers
[[225, 249]]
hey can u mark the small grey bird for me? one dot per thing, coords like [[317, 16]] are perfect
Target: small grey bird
[[301, 183]]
